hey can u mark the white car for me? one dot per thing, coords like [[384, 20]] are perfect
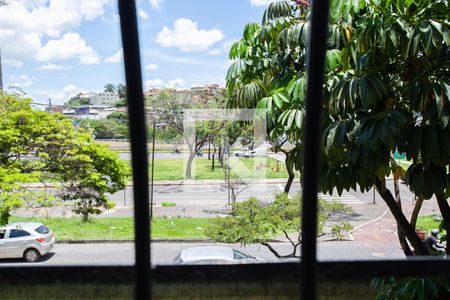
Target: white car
[[251, 153], [213, 255], [25, 240]]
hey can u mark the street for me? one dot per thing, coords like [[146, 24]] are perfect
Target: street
[[374, 235], [164, 253]]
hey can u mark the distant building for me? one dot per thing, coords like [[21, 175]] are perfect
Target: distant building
[[59, 109], [93, 112], [152, 93], [197, 93], [104, 98]]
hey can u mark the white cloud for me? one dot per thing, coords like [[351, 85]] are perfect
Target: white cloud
[[116, 57], [60, 96], [12, 62], [63, 15], [151, 67], [215, 51], [157, 83], [70, 46], [51, 67], [26, 23], [20, 81], [70, 89], [260, 2], [156, 4], [177, 83], [226, 45], [186, 36], [142, 13], [153, 83]]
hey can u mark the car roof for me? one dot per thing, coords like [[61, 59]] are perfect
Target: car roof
[[207, 252], [28, 225]]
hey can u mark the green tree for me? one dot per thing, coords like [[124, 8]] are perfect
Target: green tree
[[118, 117], [169, 109], [37, 147], [251, 222], [121, 91], [110, 88], [387, 88], [78, 100], [105, 129]]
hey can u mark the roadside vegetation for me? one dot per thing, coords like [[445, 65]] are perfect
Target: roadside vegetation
[[173, 168], [120, 228], [430, 222], [252, 222]]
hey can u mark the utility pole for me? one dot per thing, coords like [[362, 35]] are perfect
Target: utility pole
[[153, 167], [49, 105], [1, 75]]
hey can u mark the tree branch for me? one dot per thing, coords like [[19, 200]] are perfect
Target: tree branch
[[289, 239], [416, 211]]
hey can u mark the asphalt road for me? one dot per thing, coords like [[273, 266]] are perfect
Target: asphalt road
[[164, 253]]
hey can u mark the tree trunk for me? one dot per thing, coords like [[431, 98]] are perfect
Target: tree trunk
[[188, 174], [213, 159], [221, 156], [445, 211], [401, 236], [209, 151], [288, 185], [402, 222], [291, 174], [416, 211]]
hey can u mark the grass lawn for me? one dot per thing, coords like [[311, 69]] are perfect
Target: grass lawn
[[120, 228], [428, 222], [247, 168]]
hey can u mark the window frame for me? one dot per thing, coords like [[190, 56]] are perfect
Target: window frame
[[142, 276]]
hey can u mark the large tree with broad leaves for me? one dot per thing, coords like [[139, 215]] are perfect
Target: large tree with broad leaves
[[387, 87], [42, 147]]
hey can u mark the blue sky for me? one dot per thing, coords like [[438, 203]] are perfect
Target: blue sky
[[58, 48]]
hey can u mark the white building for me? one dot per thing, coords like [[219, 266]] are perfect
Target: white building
[[93, 112], [104, 98]]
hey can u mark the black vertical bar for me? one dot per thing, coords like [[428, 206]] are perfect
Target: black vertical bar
[[316, 63], [138, 135]]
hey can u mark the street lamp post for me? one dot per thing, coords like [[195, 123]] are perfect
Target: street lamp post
[[153, 168]]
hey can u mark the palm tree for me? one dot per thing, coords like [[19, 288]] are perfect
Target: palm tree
[[109, 87]]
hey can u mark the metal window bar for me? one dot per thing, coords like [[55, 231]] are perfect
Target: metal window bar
[[138, 136], [315, 76]]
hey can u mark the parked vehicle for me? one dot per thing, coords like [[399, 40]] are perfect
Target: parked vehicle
[[25, 240], [244, 152], [213, 255]]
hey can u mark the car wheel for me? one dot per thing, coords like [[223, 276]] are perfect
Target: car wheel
[[31, 255]]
